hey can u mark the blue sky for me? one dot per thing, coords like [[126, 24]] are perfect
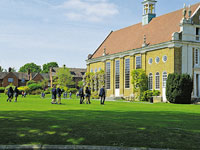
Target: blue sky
[[65, 31]]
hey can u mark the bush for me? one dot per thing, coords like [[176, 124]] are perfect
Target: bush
[[73, 90], [24, 88], [36, 92], [2, 89], [95, 95], [179, 88], [30, 82], [148, 94], [34, 86]]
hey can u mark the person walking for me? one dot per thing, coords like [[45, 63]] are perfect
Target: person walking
[[102, 94], [81, 94], [70, 95], [10, 94], [16, 91], [59, 93], [53, 91], [87, 95]]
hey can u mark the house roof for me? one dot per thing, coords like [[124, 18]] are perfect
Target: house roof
[[159, 30], [75, 72]]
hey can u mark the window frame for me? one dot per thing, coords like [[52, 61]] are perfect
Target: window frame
[[137, 61], [150, 81], [108, 75], [117, 74], [164, 82], [157, 81], [127, 73]]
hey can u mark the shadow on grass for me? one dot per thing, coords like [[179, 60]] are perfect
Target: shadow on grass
[[108, 128]]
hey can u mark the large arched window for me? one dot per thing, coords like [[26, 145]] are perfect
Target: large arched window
[[164, 79], [150, 81], [157, 81]]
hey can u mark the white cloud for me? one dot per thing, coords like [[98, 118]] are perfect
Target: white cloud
[[90, 10]]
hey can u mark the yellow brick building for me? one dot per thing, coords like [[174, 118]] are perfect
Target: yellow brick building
[[159, 45]]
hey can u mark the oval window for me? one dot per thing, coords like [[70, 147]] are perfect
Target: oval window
[[157, 59]]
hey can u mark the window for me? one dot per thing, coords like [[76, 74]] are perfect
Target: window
[[150, 81], [10, 80], [197, 33], [157, 60], [164, 58], [91, 70], [196, 56], [72, 73], [138, 62], [99, 69], [23, 80], [157, 81], [164, 79], [150, 61], [108, 75], [95, 70], [117, 74], [127, 73]]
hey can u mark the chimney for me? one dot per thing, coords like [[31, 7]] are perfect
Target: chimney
[[29, 74], [9, 69]]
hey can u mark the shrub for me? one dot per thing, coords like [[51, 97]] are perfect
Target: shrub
[[36, 92], [30, 82], [148, 94], [95, 95], [73, 90], [34, 86], [24, 88], [179, 88], [2, 89]]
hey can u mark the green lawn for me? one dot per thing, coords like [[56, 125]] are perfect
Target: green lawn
[[33, 120]]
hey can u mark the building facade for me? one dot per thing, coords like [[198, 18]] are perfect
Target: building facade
[[159, 45]]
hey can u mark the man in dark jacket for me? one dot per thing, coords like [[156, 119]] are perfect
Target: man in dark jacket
[[10, 94], [53, 91], [16, 93], [59, 93], [102, 94], [81, 94]]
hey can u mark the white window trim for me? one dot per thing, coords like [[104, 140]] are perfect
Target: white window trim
[[155, 81], [149, 81], [156, 58], [140, 62], [163, 59], [196, 64], [115, 73], [149, 61], [129, 73], [163, 81]]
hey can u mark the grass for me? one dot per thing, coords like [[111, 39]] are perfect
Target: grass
[[33, 120]]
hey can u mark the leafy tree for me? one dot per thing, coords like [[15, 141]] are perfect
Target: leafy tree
[[63, 77], [179, 88], [1, 69], [32, 66], [140, 82], [46, 67]]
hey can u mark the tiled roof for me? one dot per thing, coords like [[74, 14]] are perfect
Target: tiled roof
[[159, 30], [76, 72]]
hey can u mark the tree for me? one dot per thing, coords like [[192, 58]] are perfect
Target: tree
[[32, 66], [46, 67], [179, 88], [140, 82], [63, 77], [1, 69]]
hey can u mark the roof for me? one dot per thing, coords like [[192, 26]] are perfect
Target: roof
[[159, 30], [75, 72]]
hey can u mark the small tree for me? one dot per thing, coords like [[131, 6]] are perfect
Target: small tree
[[140, 82], [63, 77], [179, 88], [46, 67], [32, 66]]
